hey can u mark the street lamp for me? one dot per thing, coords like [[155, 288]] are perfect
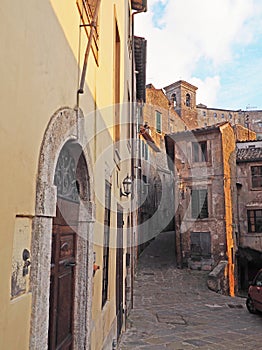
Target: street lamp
[[127, 184]]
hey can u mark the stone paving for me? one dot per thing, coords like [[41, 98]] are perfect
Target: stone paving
[[173, 309]]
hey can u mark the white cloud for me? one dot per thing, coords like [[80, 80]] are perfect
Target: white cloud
[[194, 30], [207, 90]]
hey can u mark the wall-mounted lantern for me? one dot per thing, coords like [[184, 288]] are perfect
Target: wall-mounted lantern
[[127, 185], [182, 190], [27, 263]]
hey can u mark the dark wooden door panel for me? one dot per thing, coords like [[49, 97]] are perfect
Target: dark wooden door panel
[[119, 272], [64, 307], [62, 282]]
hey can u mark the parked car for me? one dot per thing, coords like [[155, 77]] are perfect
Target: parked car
[[254, 298]]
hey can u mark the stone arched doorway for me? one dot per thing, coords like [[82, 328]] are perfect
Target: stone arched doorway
[[63, 138]]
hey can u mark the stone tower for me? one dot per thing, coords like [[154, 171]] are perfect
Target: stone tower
[[182, 96]]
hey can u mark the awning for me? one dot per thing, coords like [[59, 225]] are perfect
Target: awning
[[149, 139]]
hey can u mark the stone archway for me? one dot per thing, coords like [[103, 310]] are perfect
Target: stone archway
[[65, 126]]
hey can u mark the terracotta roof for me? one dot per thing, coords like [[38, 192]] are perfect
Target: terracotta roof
[[250, 154], [191, 132]]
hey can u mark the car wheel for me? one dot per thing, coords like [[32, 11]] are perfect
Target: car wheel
[[250, 305]]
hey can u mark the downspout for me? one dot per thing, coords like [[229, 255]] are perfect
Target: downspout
[[134, 160]]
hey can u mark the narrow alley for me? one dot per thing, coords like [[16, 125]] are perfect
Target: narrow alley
[[173, 308]]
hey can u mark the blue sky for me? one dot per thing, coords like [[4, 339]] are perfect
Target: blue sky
[[214, 44]]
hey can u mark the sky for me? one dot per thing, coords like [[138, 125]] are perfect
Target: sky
[[215, 45]]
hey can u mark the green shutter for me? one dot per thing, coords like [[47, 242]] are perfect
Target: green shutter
[[158, 122], [194, 204]]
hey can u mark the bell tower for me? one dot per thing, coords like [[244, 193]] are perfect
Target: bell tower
[[182, 96]]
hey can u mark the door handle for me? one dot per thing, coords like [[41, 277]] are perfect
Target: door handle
[[69, 264]]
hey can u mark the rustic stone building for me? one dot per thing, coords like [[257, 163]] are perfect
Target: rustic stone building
[[182, 97], [210, 183], [249, 210], [204, 166]]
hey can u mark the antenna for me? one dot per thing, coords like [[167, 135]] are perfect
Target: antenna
[[248, 108]]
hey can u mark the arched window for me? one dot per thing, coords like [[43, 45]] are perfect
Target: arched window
[[188, 102], [173, 97]]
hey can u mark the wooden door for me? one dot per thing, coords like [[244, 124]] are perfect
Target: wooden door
[[62, 281], [119, 271]]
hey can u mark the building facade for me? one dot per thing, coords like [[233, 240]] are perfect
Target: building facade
[[202, 153], [182, 97], [249, 205], [204, 168], [67, 89]]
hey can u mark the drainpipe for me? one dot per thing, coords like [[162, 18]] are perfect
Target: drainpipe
[[134, 160]]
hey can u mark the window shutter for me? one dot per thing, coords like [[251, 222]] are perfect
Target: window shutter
[[195, 152], [158, 122], [195, 244], [205, 244], [195, 204]]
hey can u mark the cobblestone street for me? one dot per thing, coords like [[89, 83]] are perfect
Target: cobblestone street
[[173, 309]]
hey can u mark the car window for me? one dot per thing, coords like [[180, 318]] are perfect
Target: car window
[[259, 280]]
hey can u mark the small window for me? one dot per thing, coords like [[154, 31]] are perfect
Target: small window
[[142, 148], [158, 122], [173, 97], [214, 115], [204, 113], [144, 185], [222, 115], [254, 218], [199, 204], [256, 174], [230, 116], [199, 151], [200, 244], [188, 100], [146, 151]]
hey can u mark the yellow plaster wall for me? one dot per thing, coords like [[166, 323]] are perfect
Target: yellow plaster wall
[[39, 74], [228, 146]]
